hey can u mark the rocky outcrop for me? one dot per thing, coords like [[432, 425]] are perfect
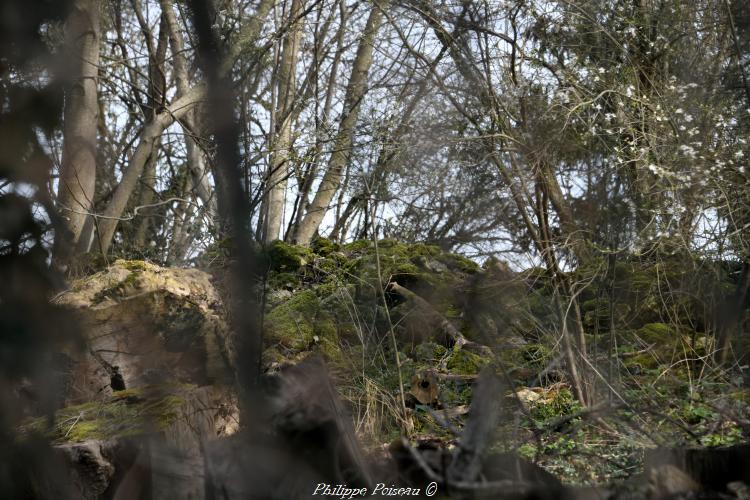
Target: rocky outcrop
[[150, 386], [139, 441], [145, 324]]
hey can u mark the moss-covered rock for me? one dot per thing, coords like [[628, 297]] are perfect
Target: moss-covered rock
[[429, 353], [301, 324], [98, 441], [324, 246], [155, 323], [284, 257], [128, 413], [463, 362], [658, 333], [292, 323]]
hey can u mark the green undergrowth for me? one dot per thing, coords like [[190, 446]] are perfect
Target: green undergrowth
[[126, 413], [331, 293], [648, 320]]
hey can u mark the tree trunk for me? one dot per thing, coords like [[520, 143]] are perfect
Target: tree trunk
[[75, 194], [342, 144], [148, 138], [277, 177], [302, 201]]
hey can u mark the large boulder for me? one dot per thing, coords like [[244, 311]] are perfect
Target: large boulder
[[147, 324], [152, 384]]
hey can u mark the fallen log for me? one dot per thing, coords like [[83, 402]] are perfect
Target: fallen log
[[445, 327]]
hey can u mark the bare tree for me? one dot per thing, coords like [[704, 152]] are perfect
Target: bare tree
[[154, 128], [342, 144]]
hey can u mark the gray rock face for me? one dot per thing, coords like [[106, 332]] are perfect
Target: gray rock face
[[152, 385], [91, 467], [157, 325]]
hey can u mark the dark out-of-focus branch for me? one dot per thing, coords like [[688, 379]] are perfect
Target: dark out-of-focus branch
[[233, 207]]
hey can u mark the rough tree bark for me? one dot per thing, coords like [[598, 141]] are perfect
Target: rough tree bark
[[156, 97], [321, 127], [342, 144]]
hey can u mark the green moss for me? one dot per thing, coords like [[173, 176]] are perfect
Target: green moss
[[126, 413], [284, 257], [405, 268], [325, 327], [426, 250], [300, 322], [122, 288], [463, 362], [358, 246], [511, 358], [459, 263], [388, 243], [128, 393], [647, 361], [83, 431], [292, 323], [657, 333], [741, 395], [331, 264], [324, 246], [455, 394], [330, 348], [134, 265], [283, 280], [429, 352]]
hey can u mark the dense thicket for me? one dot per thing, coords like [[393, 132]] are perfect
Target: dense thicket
[[597, 151]]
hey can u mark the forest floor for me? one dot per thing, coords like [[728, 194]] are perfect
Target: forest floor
[[406, 329], [649, 369]]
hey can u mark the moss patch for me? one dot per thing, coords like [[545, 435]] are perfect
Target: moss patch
[[284, 257], [126, 413], [463, 362], [324, 246], [429, 353], [300, 323], [658, 333]]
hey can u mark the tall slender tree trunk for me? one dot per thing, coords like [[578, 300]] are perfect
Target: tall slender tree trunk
[[342, 144], [282, 144], [156, 98], [75, 194], [321, 126]]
